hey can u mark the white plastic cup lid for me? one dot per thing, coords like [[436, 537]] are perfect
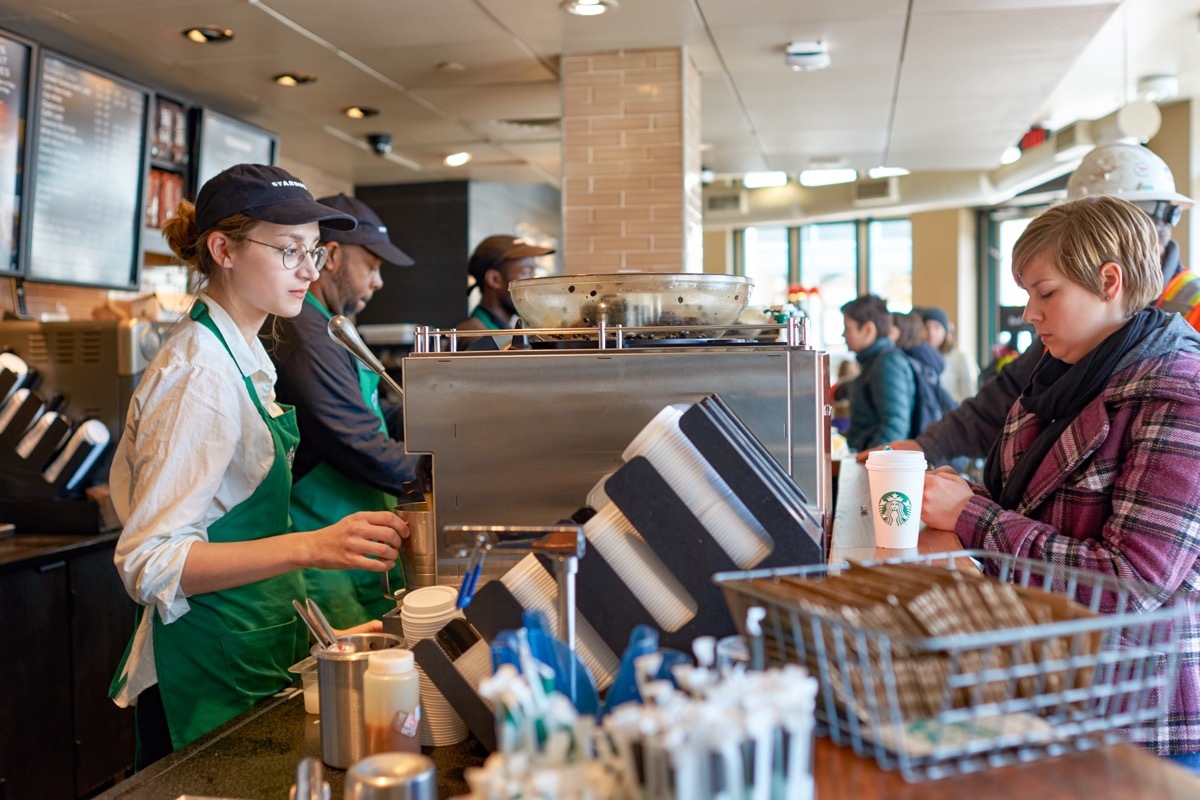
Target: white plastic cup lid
[[895, 459], [429, 601]]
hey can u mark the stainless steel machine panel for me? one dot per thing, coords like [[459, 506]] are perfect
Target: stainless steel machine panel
[[94, 364], [520, 437]]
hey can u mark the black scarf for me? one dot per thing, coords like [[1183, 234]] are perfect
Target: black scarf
[[1057, 393]]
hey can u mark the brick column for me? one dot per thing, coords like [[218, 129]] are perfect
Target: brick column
[[631, 162]]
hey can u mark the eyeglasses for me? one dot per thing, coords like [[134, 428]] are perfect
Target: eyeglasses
[[293, 255]]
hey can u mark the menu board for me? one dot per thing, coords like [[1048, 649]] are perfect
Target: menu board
[[226, 142], [89, 166], [14, 101]]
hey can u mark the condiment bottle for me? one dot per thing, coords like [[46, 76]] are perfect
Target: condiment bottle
[[392, 702]]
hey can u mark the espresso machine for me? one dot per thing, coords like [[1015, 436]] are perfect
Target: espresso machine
[[520, 436]]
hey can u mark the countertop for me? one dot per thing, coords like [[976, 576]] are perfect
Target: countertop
[[34, 549], [255, 755]]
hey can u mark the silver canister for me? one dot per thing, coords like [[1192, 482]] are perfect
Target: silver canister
[[392, 776], [421, 545], [340, 684]]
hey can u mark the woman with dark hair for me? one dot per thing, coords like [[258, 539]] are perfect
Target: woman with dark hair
[[1098, 465]]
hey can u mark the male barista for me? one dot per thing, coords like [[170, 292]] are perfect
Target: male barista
[[496, 262], [348, 459]]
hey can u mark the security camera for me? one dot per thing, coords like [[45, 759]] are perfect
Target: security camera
[[806, 56], [381, 143]]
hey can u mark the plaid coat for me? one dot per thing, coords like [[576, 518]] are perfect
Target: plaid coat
[[1119, 494]]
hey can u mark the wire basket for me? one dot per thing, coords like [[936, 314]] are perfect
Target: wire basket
[[938, 706]]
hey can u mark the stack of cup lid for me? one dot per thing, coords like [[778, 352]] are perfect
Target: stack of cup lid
[[425, 612], [702, 490]]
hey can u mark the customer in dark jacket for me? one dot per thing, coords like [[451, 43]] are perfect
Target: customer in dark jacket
[[931, 401], [1098, 466], [881, 398]]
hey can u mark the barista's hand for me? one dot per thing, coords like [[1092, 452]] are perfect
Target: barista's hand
[[902, 444], [367, 540], [372, 626], [946, 495]]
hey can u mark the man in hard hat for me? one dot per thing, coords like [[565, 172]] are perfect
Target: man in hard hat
[[1133, 173]]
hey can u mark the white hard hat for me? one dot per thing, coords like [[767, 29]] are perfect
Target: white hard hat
[[1128, 171]]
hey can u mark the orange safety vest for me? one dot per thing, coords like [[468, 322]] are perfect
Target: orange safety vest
[[1182, 296]]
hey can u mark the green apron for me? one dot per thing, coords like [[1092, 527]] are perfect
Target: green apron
[[233, 647], [324, 496]]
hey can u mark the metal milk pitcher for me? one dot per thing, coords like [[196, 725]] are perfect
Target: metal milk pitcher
[[340, 681]]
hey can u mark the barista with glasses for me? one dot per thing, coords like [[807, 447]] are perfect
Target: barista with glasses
[[202, 476]]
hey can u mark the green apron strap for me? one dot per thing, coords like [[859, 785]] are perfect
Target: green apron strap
[[324, 496], [233, 647]]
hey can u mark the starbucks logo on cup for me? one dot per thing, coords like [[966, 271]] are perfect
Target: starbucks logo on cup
[[895, 508]]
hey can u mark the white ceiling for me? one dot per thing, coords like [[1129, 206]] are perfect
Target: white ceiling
[[922, 84]]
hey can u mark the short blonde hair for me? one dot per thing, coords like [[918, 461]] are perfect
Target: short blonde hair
[[1081, 236]]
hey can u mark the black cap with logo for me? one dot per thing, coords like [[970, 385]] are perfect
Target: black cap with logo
[[266, 193], [371, 233]]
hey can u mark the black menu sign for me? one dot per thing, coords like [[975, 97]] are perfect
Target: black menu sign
[[225, 142], [89, 165], [14, 80]]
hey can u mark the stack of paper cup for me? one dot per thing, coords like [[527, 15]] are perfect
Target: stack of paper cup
[[424, 613], [639, 568], [699, 486], [897, 479], [534, 588]]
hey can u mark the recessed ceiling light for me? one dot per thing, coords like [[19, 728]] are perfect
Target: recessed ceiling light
[[295, 78], [207, 34], [762, 180], [456, 159], [451, 66], [886, 172], [360, 112], [588, 8], [827, 176]]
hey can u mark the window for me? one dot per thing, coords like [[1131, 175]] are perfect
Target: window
[[889, 258], [829, 262], [1007, 233], [766, 263]]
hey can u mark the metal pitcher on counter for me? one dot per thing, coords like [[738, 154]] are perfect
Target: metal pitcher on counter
[[340, 679]]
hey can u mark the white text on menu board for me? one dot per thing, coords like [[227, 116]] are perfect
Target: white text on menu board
[[88, 172]]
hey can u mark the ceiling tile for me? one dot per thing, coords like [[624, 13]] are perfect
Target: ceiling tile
[[964, 39], [776, 12]]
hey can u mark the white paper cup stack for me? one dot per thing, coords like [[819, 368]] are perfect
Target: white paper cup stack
[[640, 568], [897, 481], [534, 588], [424, 613], [699, 486]]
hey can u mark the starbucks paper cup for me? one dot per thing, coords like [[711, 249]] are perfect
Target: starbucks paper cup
[[897, 480]]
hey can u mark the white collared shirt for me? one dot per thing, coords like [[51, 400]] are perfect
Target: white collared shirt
[[194, 447]]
